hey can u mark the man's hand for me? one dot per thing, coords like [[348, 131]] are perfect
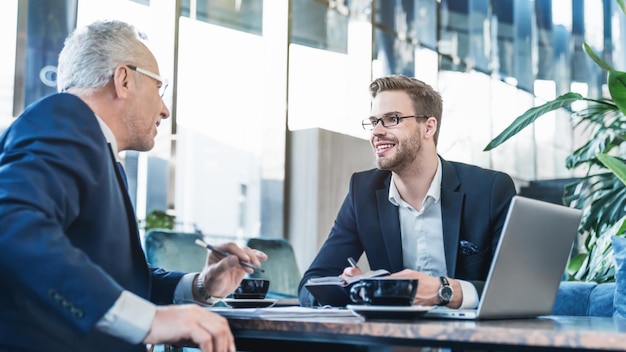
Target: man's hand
[[191, 325], [222, 275], [428, 288], [350, 271]]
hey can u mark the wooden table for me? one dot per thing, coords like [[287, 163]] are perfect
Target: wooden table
[[355, 334]]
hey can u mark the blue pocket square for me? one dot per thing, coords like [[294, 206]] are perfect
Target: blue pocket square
[[468, 248]]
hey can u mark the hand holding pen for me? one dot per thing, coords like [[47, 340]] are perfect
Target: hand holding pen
[[226, 267], [352, 270], [353, 263], [226, 254]]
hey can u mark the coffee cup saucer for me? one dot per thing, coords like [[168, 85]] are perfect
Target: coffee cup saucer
[[248, 303], [370, 312]]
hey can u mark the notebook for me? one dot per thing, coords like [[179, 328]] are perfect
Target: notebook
[[528, 265], [334, 290]]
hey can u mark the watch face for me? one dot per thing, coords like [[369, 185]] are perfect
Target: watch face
[[445, 293]]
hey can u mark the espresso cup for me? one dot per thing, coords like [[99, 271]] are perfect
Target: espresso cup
[[384, 291], [252, 288]]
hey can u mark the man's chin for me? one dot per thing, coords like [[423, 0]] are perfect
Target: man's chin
[[382, 166], [144, 146], [149, 146], [387, 164]]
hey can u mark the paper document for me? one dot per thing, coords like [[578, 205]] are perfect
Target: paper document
[[284, 312], [338, 280]]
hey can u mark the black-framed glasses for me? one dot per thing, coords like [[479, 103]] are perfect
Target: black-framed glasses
[[152, 75], [386, 121]]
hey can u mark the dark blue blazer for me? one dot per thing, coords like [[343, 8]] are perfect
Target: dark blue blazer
[[474, 203], [69, 241]]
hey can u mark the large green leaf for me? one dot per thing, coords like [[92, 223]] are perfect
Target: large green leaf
[[576, 263], [614, 164], [604, 203], [617, 88], [600, 263], [621, 5], [592, 54], [621, 229], [603, 123], [531, 115]]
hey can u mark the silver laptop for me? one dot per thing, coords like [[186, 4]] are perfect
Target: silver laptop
[[528, 265]]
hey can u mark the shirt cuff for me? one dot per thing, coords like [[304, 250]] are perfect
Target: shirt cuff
[[183, 292], [470, 295], [130, 318]]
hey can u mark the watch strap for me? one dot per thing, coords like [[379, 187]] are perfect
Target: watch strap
[[200, 287], [445, 286]]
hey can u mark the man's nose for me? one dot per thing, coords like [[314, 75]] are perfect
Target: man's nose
[[165, 112]]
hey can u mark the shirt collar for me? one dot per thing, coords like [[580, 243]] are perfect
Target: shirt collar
[[109, 136], [434, 191]]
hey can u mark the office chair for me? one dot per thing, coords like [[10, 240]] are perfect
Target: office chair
[[174, 251], [281, 267]]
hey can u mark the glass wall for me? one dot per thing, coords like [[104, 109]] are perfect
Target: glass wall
[[8, 26], [329, 66], [246, 73], [231, 123]]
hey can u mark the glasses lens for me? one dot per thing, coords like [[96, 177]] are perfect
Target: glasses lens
[[368, 124], [162, 89], [390, 120]]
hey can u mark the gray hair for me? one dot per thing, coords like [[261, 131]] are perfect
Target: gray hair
[[90, 54]]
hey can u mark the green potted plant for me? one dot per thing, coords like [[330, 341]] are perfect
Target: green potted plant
[[157, 219], [601, 194]]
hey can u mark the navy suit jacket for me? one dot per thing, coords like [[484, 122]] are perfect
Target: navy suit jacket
[[474, 203], [69, 241]]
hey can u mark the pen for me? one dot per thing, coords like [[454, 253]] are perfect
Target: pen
[[201, 243], [353, 263]]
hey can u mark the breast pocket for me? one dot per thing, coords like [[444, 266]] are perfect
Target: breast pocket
[[474, 266]]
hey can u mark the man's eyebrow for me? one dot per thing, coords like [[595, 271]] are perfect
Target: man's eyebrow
[[386, 114]]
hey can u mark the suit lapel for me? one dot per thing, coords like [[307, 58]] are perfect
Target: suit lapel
[[139, 259], [120, 168], [389, 222], [451, 208]]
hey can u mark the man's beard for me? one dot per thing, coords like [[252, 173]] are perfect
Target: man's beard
[[404, 155]]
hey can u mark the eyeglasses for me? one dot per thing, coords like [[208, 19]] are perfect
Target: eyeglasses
[[386, 121], [154, 76]]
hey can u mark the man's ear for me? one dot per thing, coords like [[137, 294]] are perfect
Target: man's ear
[[431, 127], [122, 81]]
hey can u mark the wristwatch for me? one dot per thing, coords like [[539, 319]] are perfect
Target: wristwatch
[[200, 287], [445, 292]]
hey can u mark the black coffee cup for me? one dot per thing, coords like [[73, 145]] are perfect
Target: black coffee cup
[[384, 291], [252, 288]]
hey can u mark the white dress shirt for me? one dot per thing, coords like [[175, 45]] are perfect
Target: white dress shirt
[[422, 236]]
